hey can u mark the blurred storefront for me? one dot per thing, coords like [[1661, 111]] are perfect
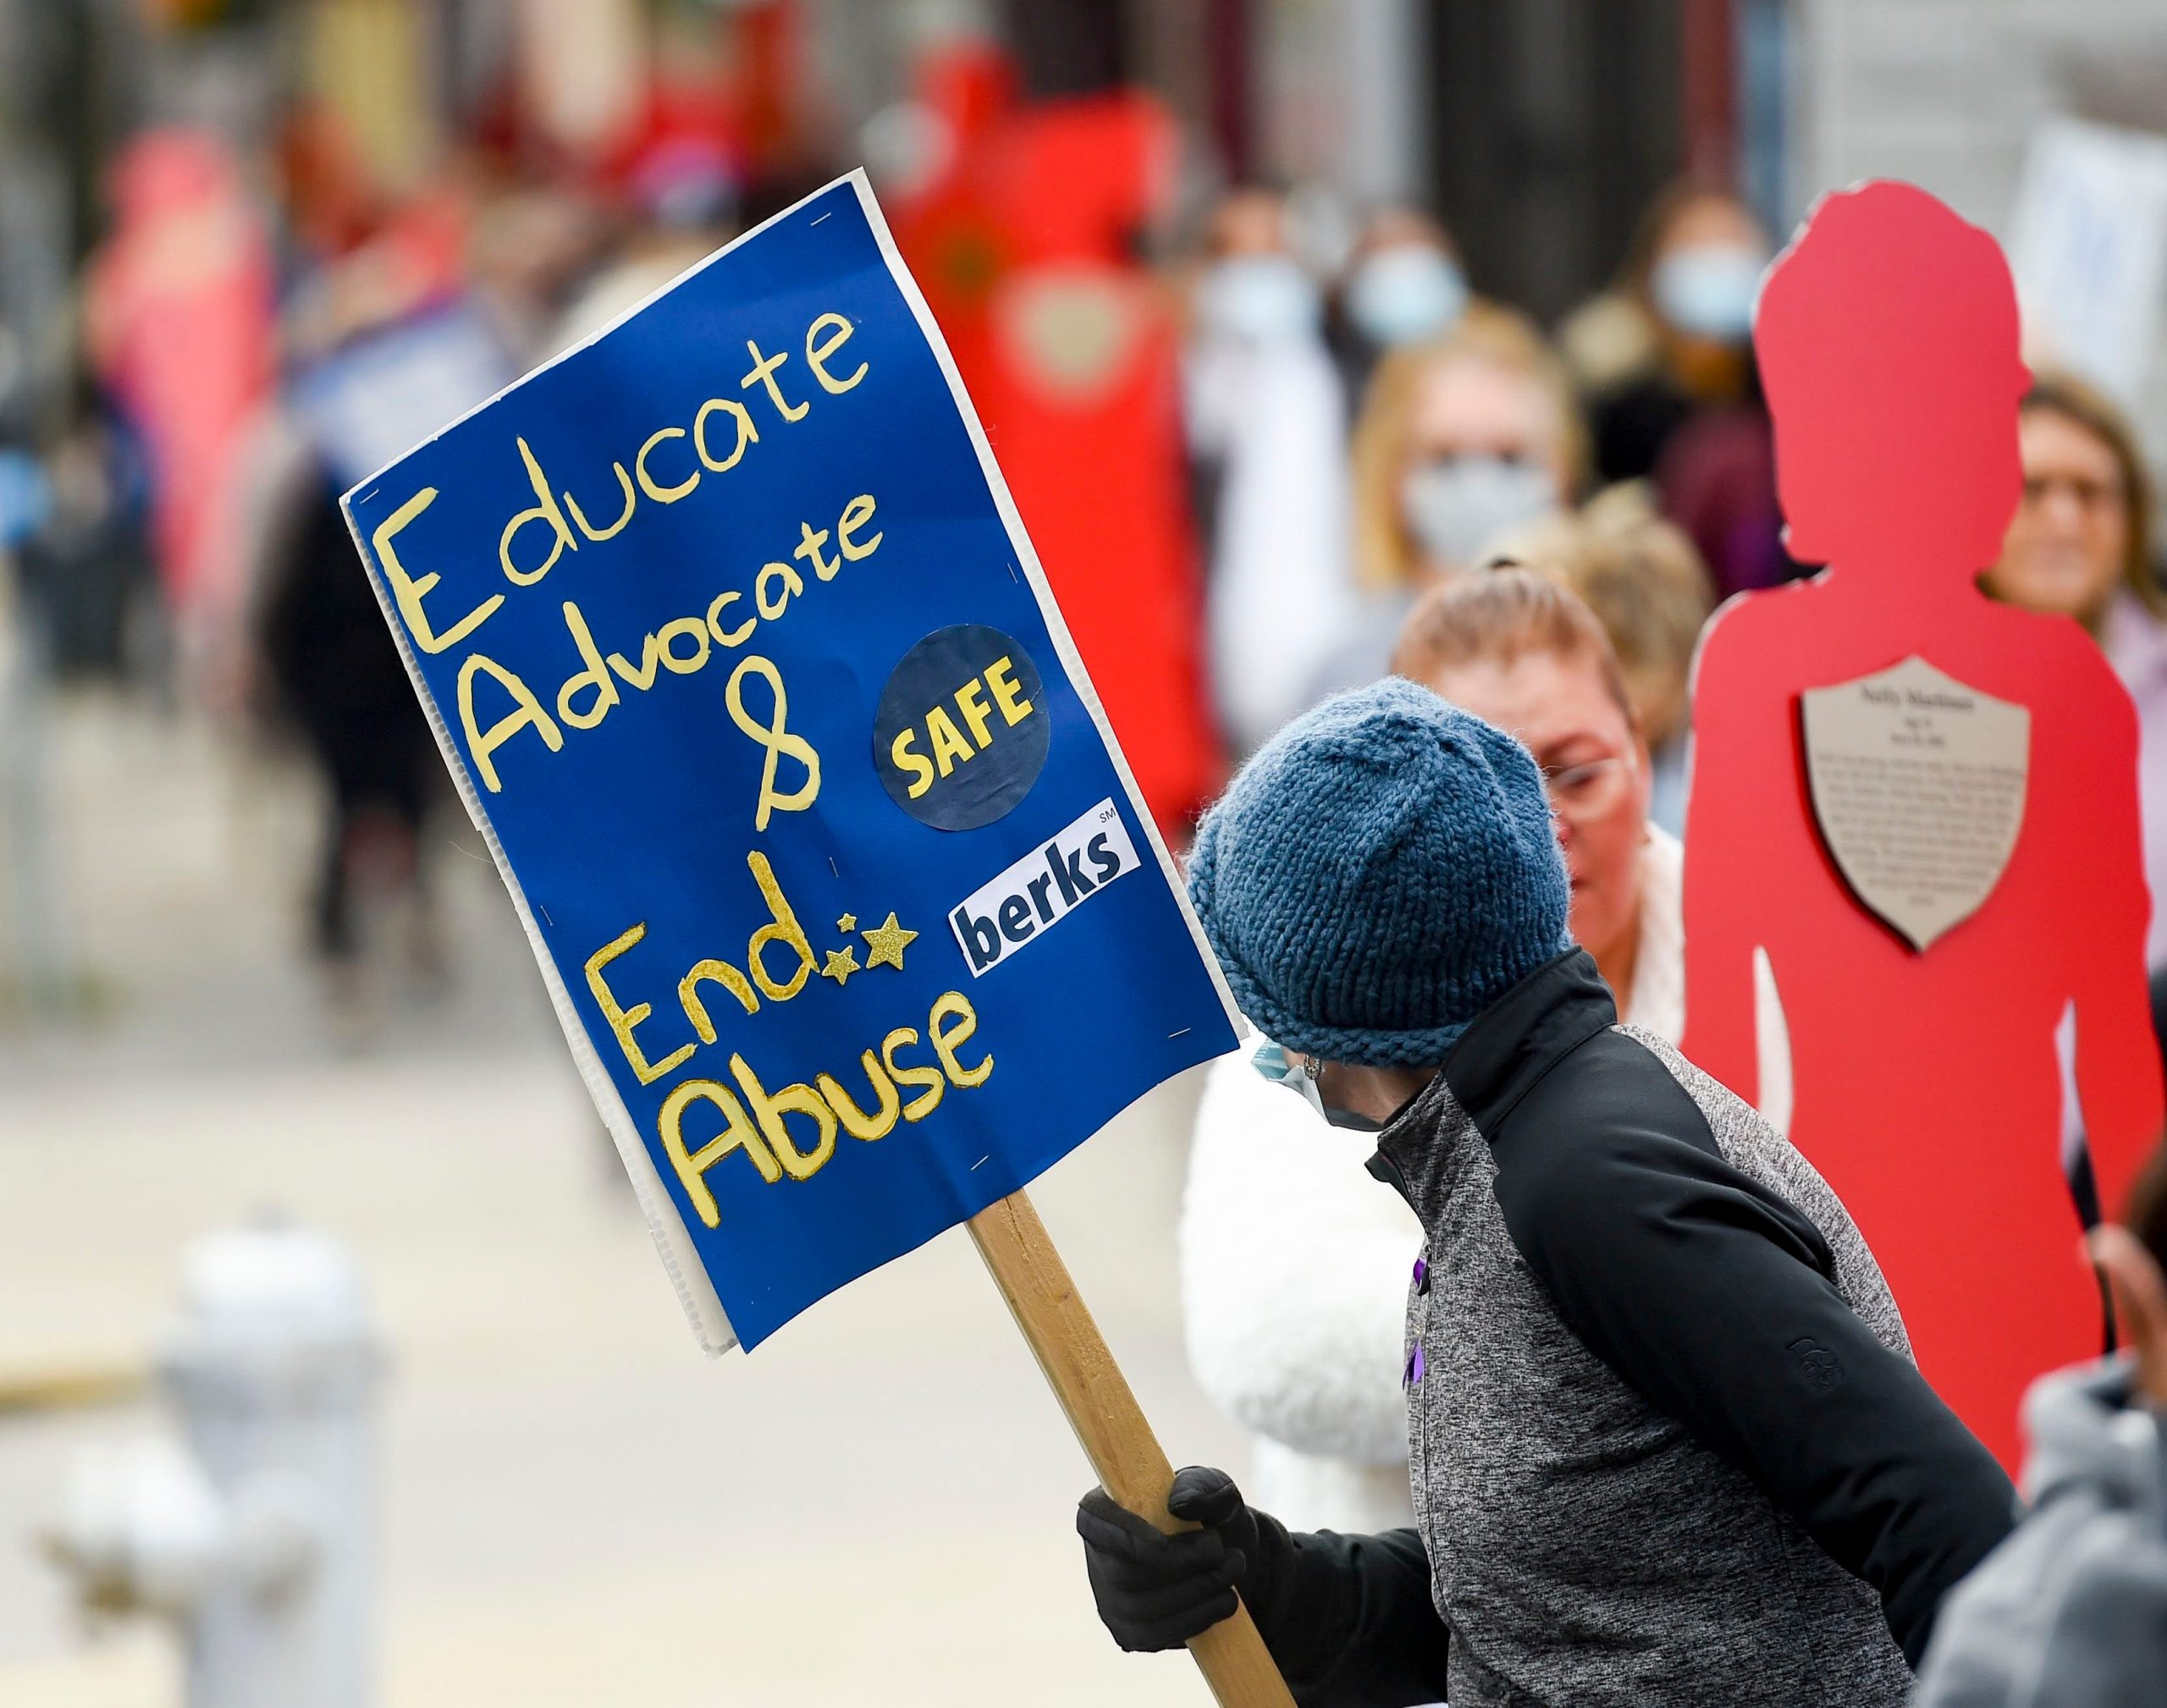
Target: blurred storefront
[[1971, 99]]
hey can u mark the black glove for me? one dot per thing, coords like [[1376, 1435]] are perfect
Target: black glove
[[1155, 1590]]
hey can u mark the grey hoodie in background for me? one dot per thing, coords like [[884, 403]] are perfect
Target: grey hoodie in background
[[2071, 1610]]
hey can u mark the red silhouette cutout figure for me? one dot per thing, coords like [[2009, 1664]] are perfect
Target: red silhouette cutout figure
[[1925, 1085]]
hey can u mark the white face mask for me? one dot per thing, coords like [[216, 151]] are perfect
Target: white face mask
[[1261, 298], [1405, 294], [1456, 506], [1709, 289]]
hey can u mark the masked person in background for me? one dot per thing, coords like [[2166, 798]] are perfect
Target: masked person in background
[[1293, 1262], [1460, 440], [2080, 546], [1665, 359], [1674, 332], [1266, 420], [1401, 285], [1667, 1441]]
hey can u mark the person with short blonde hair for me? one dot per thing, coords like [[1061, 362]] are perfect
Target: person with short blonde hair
[[1517, 647], [1524, 603]]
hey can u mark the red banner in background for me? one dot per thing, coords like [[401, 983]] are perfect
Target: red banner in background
[[1021, 240]]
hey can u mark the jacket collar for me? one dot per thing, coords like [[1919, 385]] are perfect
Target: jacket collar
[[1513, 1043], [1521, 1037]]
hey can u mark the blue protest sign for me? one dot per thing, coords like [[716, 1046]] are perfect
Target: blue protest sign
[[746, 669]]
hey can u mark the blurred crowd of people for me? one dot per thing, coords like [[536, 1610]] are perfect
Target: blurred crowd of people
[[1366, 434], [251, 338], [1538, 530], [1366, 431], [1348, 423]]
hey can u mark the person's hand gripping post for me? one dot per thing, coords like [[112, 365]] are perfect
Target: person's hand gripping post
[[1156, 1590]]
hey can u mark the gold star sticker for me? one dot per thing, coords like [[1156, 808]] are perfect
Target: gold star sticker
[[842, 963], [847, 922], [887, 942]]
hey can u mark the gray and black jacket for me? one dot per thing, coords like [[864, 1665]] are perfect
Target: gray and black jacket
[[1667, 1442]]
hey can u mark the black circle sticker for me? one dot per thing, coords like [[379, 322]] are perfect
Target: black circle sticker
[[963, 729]]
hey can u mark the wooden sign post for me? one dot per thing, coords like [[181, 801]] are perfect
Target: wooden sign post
[[1112, 1428]]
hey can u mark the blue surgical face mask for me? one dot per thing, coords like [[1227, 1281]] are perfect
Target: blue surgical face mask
[[1709, 289], [1271, 1061], [1405, 293], [1261, 298], [1456, 506]]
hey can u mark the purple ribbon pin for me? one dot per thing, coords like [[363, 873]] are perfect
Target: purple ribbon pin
[[1414, 1367]]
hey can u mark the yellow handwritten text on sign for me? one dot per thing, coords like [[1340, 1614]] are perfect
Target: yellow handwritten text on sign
[[668, 467], [681, 646], [566, 522], [779, 743], [778, 962], [761, 1134]]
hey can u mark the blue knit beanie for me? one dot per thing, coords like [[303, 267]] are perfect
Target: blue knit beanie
[[1380, 872]]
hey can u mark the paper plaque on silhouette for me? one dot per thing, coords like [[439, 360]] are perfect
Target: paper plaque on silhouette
[[1917, 784], [747, 671]]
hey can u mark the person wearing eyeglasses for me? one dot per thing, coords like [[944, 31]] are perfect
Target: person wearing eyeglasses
[[1667, 1443], [2081, 546], [1293, 1265], [1526, 654]]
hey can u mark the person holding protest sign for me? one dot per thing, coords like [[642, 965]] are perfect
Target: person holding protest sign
[[1293, 1265], [1667, 1441]]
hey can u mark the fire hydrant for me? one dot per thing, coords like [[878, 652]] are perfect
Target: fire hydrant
[[253, 1533]]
